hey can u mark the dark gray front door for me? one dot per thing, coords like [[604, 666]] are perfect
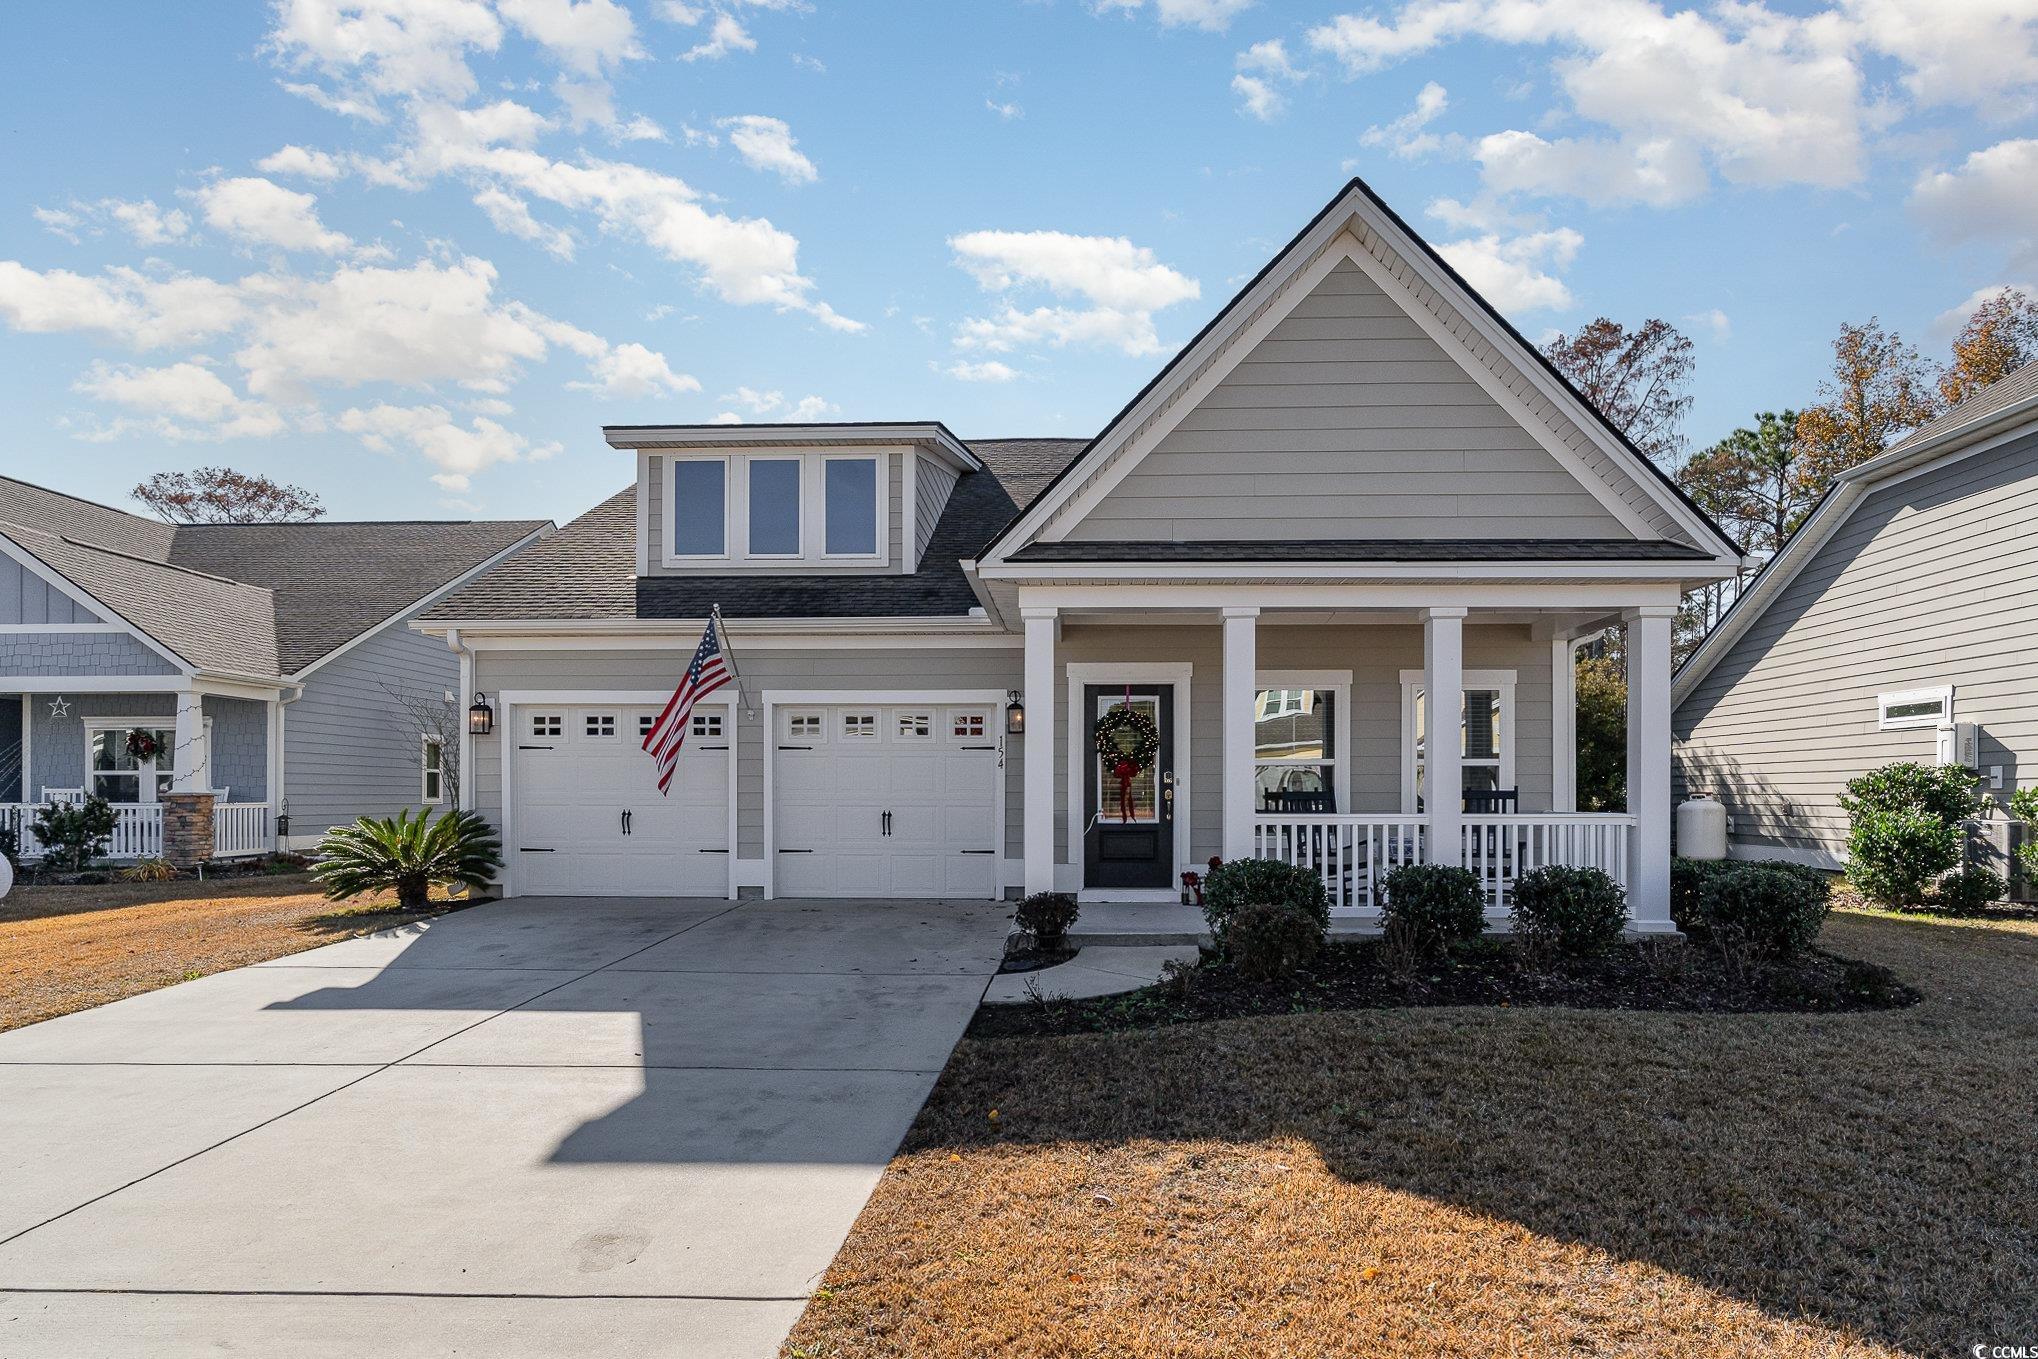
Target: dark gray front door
[[1136, 851]]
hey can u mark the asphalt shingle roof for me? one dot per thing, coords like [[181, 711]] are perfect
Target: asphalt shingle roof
[[1368, 550], [251, 599], [2006, 391]]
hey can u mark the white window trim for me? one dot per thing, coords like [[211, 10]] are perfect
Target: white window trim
[[146, 784], [1339, 683], [1411, 684], [671, 555], [880, 477], [1942, 694], [426, 771], [813, 509]]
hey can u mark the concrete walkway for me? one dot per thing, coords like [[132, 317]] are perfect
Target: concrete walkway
[[1102, 970], [534, 1128]]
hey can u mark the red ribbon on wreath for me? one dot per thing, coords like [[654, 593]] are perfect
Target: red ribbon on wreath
[[1125, 771]]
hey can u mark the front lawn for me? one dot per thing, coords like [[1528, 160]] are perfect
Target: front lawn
[[1518, 1181], [72, 947]]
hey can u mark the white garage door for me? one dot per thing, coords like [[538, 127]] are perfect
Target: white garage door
[[884, 800], [589, 819]]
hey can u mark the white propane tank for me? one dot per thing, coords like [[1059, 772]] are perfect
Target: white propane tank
[[6, 877], [1701, 829]]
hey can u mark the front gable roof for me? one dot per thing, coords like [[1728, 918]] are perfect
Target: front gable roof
[[1597, 486]]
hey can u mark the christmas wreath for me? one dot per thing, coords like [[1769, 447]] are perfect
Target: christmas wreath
[[142, 745], [1131, 741]]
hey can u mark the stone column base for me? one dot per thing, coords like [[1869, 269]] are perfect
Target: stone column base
[[187, 828]]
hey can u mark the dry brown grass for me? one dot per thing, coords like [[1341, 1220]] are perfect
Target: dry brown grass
[[1479, 1182], [70, 948]]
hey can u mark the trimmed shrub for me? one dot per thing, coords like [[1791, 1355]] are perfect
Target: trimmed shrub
[[1269, 941], [2024, 808], [1905, 833], [1047, 917], [1688, 881], [1571, 911], [1767, 910], [1233, 886], [1970, 890], [74, 834], [1430, 907]]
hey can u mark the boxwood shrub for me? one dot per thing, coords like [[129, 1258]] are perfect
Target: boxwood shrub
[[1047, 917], [1269, 941], [1970, 890], [1905, 827], [1430, 907], [1765, 909], [1572, 911], [1232, 886]]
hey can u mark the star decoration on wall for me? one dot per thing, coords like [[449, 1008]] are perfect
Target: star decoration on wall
[[59, 706]]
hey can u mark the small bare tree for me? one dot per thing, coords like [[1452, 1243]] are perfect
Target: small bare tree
[[220, 495], [433, 715]]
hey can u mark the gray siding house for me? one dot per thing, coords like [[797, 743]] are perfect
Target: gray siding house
[[1904, 605], [268, 661], [1358, 497]]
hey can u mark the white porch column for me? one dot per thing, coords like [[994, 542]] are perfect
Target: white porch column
[[1564, 725], [1649, 765], [1241, 680], [1039, 773], [1443, 685], [188, 760]]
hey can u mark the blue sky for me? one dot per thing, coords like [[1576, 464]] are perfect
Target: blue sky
[[412, 254]]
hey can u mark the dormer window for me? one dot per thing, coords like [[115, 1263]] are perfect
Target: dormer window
[[776, 507]]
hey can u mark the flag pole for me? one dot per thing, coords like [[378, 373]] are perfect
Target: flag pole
[[729, 655]]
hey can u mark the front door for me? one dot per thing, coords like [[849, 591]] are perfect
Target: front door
[[1129, 823]]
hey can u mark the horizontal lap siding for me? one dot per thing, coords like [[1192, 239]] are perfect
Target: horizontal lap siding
[[1929, 582], [350, 748], [27, 598], [1348, 421]]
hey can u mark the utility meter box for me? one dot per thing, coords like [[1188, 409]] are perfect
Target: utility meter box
[[1959, 743]]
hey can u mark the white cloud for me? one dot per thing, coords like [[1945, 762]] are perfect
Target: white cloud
[[1991, 196], [1258, 98], [1659, 171], [725, 35], [990, 370], [1123, 283], [347, 106], [136, 309], [1949, 322], [1005, 110], [390, 47], [588, 36], [1517, 273], [679, 12], [1983, 54], [1409, 136], [1715, 321], [141, 219], [180, 401], [1270, 58], [258, 211], [767, 144], [774, 406], [512, 216], [1213, 15], [301, 162], [632, 370], [458, 451], [1260, 68], [61, 222]]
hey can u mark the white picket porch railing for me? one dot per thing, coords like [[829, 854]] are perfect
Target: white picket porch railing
[[1499, 849], [241, 830], [1350, 852], [137, 830]]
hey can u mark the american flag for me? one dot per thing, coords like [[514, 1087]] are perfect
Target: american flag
[[707, 672]]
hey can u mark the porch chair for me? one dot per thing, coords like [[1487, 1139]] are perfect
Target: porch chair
[[1492, 801], [69, 797], [1492, 849]]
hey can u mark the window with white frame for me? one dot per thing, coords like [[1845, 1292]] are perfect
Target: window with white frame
[[1914, 708], [600, 726], [432, 774], [859, 726], [968, 725], [645, 722], [805, 727], [706, 725], [909, 725], [1295, 749], [116, 774], [777, 505], [547, 724], [1485, 734]]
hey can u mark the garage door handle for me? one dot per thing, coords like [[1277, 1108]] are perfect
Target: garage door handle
[[790, 851], [977, 851], [795, 747], [979, 747], [526, 849], [714, 747], [714, 851], [534, 747]]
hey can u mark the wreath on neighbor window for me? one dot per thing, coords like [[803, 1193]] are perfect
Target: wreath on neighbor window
[[1131, 741], [143, 745]]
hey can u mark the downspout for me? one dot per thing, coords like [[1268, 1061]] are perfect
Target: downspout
[[279, 802], [464, 798]]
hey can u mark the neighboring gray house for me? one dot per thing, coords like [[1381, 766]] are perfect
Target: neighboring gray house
[[262, 657], [1907, 603], [1356, 488]]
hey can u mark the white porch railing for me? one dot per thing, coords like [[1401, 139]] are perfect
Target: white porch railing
[[1350, 852], [137, 830], [1499, 849], [240, 830]]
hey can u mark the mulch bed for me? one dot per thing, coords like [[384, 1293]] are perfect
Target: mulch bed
[[1359, 975], [1035, 959]]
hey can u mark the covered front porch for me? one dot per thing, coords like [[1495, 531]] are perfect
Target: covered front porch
[[1294, 724], [73, 739]]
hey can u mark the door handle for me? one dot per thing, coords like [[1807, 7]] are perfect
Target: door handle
[[885, 824]]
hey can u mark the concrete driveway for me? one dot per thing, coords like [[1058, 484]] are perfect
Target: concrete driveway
[[531, 1128]]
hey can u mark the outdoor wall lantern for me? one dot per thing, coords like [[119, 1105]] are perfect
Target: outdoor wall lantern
[[480, 717], [1015, 715]]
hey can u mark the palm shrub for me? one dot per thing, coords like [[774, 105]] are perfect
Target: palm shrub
[[1571, 911], [408, 856], [1432, 906], [1240, 883], [74, 834], [1906, 827]]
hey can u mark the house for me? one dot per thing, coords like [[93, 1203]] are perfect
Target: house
[[1358, 486], [1896, 611], [269, 663]]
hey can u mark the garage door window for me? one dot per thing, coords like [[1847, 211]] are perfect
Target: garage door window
[[859, 726], [968, 726], [601, 726], [547, 724], [707, 724], [912, 726], [805, 727]]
